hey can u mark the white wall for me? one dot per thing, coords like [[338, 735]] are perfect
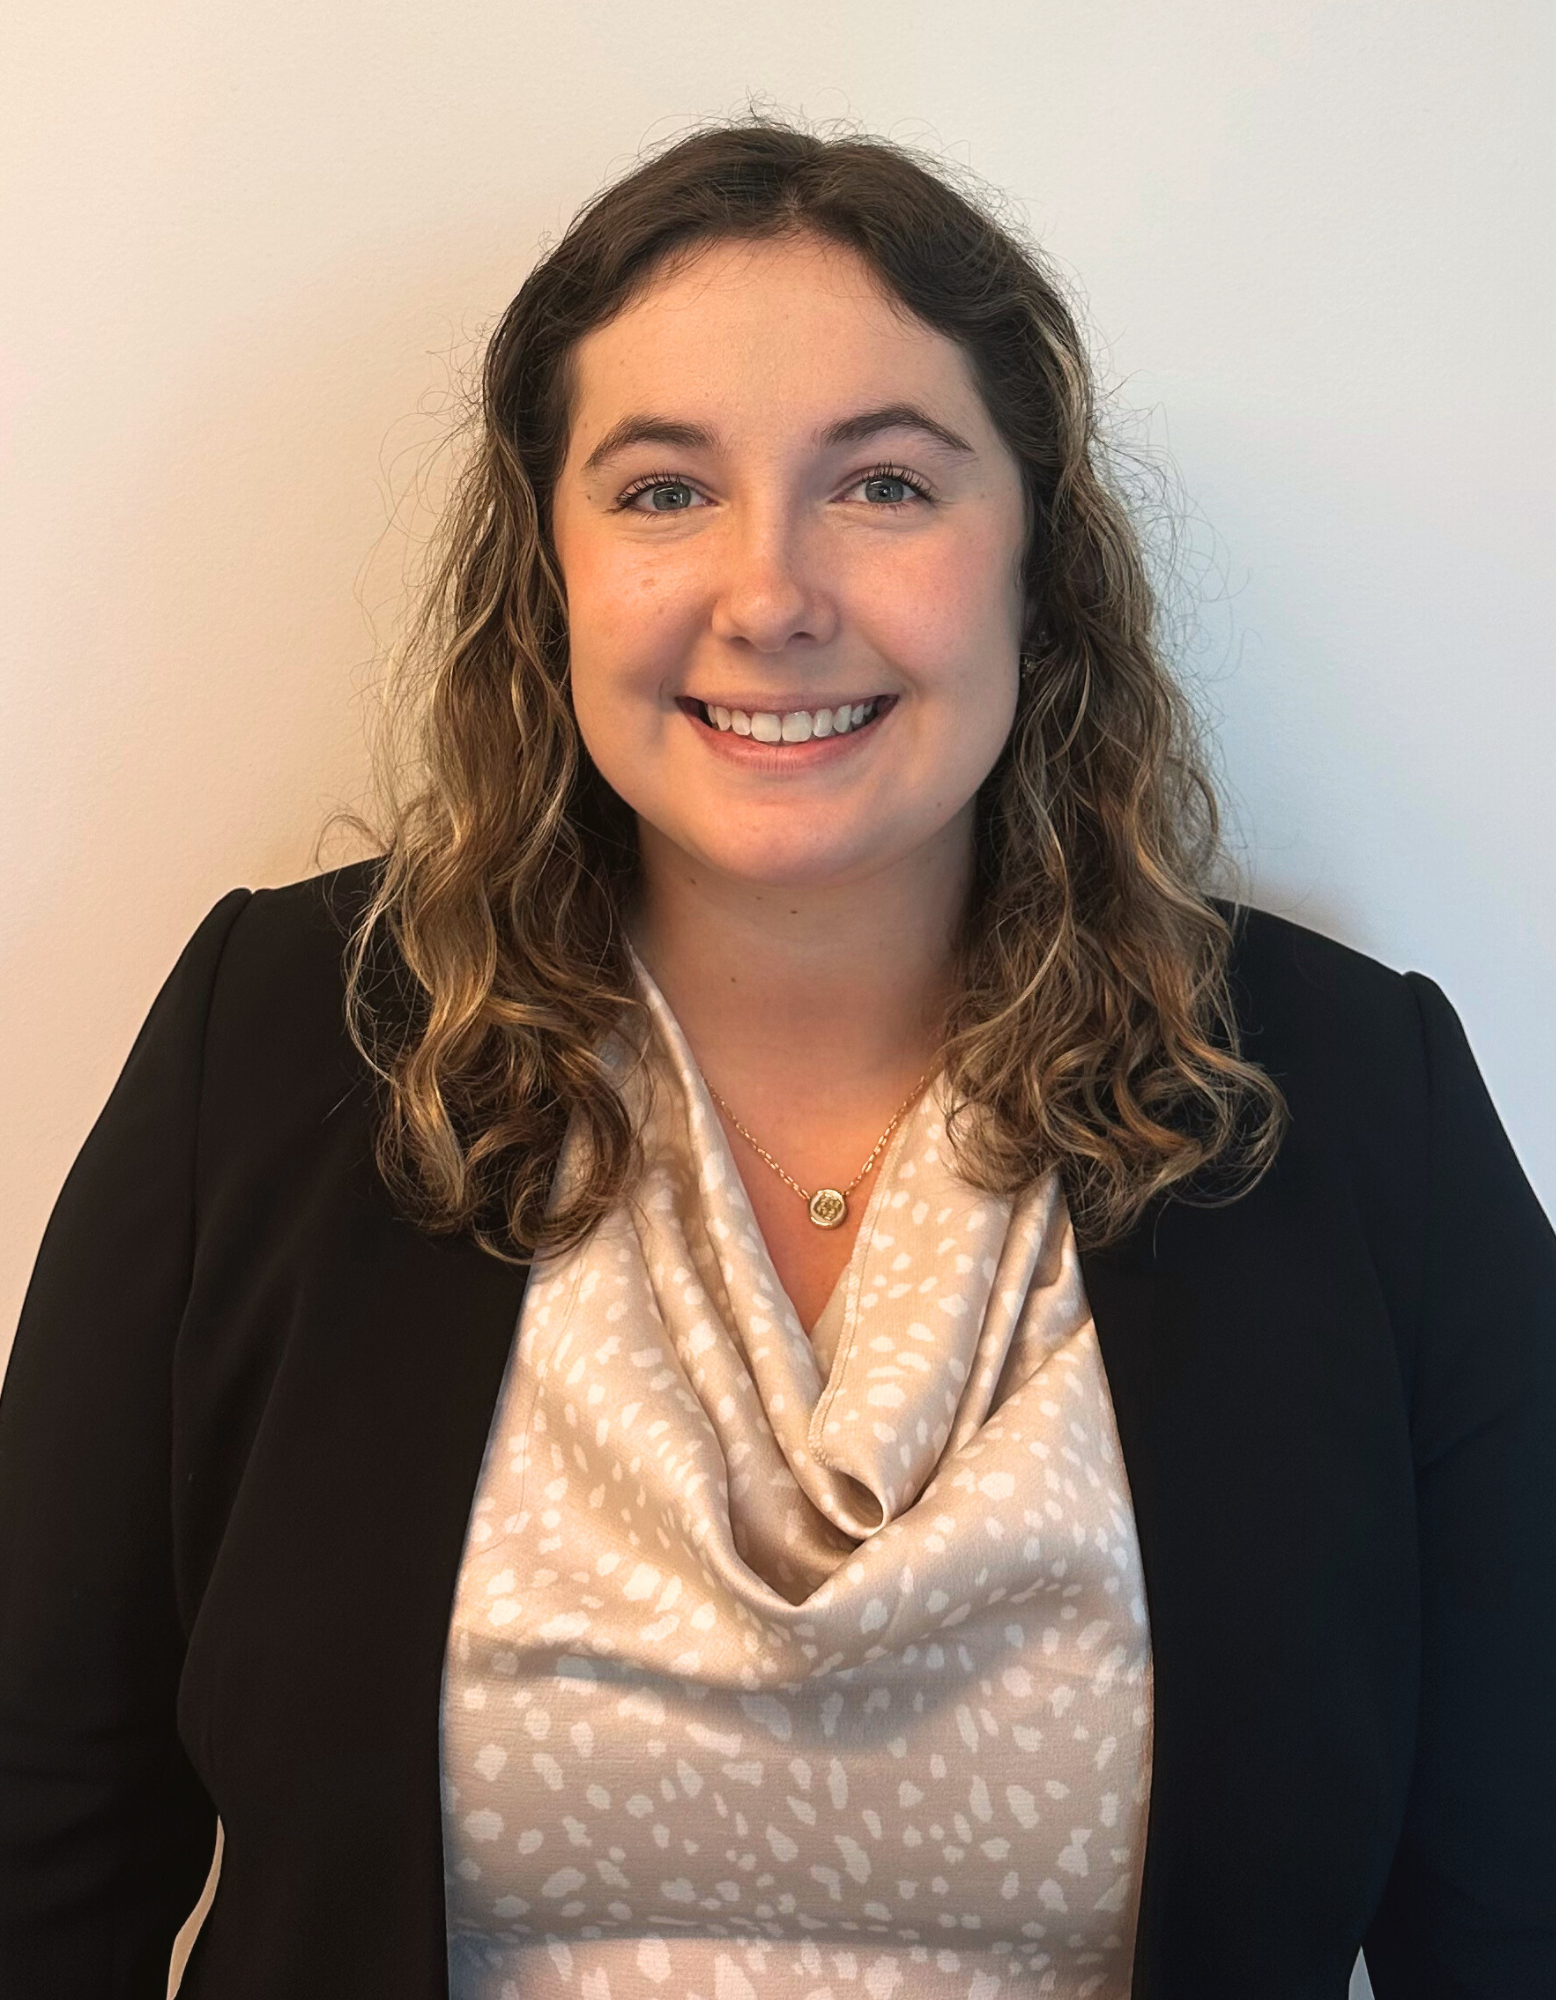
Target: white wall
[[243, 246]]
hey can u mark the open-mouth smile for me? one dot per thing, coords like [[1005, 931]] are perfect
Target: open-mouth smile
[[757, 729]]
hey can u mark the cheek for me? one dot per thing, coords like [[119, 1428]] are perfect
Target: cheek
[[623, 608], [613, 737], [948, 602]]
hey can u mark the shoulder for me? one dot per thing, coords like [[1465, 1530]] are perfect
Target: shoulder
[[277, 1019], [296, 935], [1280, 963], [1342, 1034], [1308, 1005]]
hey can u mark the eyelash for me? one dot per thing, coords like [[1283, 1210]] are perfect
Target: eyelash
[[900, 473]]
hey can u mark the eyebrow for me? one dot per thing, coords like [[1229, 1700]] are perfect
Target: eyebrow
[[645, 429]]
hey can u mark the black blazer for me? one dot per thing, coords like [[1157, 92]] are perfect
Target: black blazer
[[247, 1407]]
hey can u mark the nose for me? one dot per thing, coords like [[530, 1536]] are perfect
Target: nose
[[771, 588]]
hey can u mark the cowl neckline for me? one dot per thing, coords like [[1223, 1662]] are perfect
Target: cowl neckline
[[951, 1296]]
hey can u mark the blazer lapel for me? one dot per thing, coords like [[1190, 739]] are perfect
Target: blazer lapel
[[311, 1698], [1139, 1315], [1251, 1366]]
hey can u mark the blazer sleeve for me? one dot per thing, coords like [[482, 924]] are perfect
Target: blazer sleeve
[[106, 1834], [1469, 1911]]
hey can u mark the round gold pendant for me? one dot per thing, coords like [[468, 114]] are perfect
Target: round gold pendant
[[827, 1208]]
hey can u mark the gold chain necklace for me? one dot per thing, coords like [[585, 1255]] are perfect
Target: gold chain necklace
[[827, 1206]]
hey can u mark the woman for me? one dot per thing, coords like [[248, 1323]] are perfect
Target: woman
[[774, 1359]]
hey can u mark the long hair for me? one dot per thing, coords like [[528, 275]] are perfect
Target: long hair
[[1092, 1016]]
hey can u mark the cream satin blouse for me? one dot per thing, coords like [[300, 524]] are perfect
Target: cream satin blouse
[[788, 1666]]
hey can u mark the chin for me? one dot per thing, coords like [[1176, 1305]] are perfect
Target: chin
[[772, 864]]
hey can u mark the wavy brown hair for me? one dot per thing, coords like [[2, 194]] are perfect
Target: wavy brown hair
[[1092, 1014]]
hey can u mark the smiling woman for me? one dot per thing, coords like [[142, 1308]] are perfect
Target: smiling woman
[[785, 432], [772, 1358]]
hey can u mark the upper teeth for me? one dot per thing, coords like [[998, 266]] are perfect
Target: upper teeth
[[797, 726]]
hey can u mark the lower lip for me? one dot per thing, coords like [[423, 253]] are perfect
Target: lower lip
[[780, 757]]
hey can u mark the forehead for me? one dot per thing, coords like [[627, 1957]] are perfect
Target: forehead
[[794, 322]]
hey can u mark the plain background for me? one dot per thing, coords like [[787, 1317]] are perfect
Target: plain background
[[249, 251]]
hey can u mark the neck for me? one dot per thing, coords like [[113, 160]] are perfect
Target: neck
[[781, 991]]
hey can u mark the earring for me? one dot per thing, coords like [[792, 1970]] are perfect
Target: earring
[[1029, 665]]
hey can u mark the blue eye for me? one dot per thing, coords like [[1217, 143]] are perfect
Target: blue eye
[[659, 485], [908, 487]]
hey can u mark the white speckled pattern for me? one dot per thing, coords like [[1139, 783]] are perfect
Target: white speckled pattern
[[798, 1667]]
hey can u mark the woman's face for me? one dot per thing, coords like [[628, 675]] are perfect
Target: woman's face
[[783, 500]]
